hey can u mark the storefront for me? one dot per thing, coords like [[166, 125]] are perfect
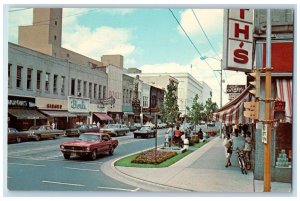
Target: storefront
[[80, 108], [23, 113]]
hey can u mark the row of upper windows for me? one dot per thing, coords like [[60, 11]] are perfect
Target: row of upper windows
[[99, 92], [95, 91]]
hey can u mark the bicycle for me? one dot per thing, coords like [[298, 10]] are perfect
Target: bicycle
[[241, 160]]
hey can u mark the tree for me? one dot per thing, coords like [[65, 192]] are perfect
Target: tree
[[210, 107], [171, 108], [196, 112]]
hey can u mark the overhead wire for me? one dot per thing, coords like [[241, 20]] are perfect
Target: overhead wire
[[207, 38], [192, 42]]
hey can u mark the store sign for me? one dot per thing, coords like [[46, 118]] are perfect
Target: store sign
[[14, 101], [232, 96], [78, 105], [54, 106], [238, 41], [279, 106], [235, 89]]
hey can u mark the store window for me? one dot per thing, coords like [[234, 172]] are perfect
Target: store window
[[79, 88], [90, 90], [104, 91], [72, 87], [38, 80], [47, 81], [84, 88], [9, 70], [19, 76], [55, 84], [62, 89], [283, 147], [100, 91], [29, 78], [95, 90]]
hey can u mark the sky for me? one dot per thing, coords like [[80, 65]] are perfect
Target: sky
[[150, 39]]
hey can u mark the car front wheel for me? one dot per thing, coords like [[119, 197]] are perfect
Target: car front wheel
[[111, 151], [94, 155], [19, 140], [67, 156]]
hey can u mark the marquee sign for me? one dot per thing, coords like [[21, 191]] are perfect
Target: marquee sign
[[238, 39]]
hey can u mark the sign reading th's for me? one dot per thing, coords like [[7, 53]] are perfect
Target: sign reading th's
[[238, 41]]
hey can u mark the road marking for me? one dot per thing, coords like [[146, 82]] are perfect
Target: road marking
[[118, 189], [26, 164], [82, 169], [62, 183]]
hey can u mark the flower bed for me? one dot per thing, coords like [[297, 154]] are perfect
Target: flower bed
[[148, 157]]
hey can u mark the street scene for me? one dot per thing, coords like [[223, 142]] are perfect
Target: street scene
[[149, 100]]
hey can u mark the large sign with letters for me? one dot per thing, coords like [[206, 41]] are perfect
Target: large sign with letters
[[238, 39], [80, 105]]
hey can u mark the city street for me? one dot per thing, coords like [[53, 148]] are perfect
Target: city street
[[41, 166]]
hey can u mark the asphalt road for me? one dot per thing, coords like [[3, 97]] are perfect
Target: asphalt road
[[40, 166]]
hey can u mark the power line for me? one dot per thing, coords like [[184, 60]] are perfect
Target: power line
[[18, 10], [205, 34], [191, 41]]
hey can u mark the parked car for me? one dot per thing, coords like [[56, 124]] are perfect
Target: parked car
[[132, 128], [211, 124], [149, 124], [138, 126], [115, 129], [13, 135], [42, 132], [78, 129], [145, 132], [161, 125], [89, 145]]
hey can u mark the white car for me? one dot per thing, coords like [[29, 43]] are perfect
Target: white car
[[161, 125], [149, 124]]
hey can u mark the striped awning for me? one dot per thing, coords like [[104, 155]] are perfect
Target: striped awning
[[285, 92], [232, 113]]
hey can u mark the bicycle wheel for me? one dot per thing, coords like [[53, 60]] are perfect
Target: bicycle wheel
[[241, 165]]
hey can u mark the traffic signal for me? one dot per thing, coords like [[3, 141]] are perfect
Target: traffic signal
[[256, 83], [252, 110]]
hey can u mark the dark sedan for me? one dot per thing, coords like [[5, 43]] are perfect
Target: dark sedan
[[42, 132], [145, 132], [13, 135], [81, 129]]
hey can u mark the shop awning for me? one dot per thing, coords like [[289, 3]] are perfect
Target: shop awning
[[148, 116], [285, 92], [26, 114], [58, 113], [103, 116], [232, 113], [128, 113]]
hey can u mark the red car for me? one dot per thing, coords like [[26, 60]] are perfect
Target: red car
[[90, 145]]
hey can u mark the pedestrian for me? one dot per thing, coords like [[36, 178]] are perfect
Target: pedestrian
[[200, 133], [177, 136], [98, 124], [169, 135], [248, 145], [53, 125], [228, 149]]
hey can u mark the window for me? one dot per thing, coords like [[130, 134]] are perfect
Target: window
[[84, 88], [38, 80], [47, 80], [284, 145], [78, 87], [90, 90], [55, 22], [19, 76], [9, 70], [130, 96], [54, 37], [29, 78], [124, 92], [100, 91], [62, 89], [55, 84], [95, 91], [72, 87], [104, 91]]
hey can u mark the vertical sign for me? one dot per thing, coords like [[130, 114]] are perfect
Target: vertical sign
[[264, 134], [238, 41]]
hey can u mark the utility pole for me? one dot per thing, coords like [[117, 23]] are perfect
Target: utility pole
[[267, 121], [221, 84]]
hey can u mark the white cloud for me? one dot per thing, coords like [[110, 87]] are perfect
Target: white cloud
[[201, 72]]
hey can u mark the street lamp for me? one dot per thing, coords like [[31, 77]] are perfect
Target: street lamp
[[221, 73]]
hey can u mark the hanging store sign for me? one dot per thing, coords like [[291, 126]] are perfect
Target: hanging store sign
[[238, 39], [235, 88]]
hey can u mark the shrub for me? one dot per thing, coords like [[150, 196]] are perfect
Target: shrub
[[148, 157]]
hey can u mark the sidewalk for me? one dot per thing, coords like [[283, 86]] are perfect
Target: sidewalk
[[201, 171]]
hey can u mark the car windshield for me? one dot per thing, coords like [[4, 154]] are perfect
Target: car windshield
[[112, 126], [34, 128], [145, 128], [87, 137]]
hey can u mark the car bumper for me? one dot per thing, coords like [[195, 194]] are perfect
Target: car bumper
[[75, 152]]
